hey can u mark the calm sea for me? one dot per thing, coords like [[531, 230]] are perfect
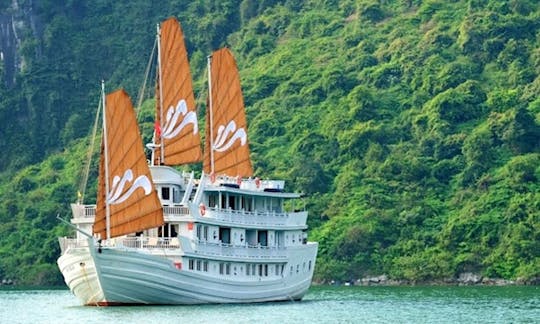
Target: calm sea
[[322, 304]]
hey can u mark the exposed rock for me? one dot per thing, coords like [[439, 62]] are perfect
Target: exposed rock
[[469, 278]]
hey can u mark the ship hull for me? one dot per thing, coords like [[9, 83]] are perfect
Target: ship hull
[[117, 276]]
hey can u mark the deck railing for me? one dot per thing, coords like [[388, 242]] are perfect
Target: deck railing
[[137, 242], [251, 252], [270, 218]]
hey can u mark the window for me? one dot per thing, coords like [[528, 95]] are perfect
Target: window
[[213, 201], [266, 270], [247, 270], [198, 265], [277, 270], [225, 235], [176, 195], [205, 266], [190, 264], [165, 193], [232, 202], [227, 268], [262, 238], [309, 265], [221, 266]]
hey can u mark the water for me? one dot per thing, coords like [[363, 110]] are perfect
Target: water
[[321, 305]]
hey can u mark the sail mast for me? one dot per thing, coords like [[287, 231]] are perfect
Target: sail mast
[[161, 151], [106, 156], [210, 114]]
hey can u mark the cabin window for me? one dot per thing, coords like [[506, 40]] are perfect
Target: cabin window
[[228, 268], [277, 269], [221, 267], [260, 270], [266, 270], [165, 193], [247, 270], [199, 232], [225, 235], [213, 201], [205, 233], [253, 269], [205, 266], [176, 195], [190, 264], [223, 201], [232, 202], [198, 265], [262, 238], [309, 265]]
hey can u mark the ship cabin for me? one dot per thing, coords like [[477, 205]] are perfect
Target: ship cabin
[[231, 211]]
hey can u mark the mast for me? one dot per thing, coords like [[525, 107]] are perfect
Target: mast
[[161, 151], [106, 164], [210, 114]]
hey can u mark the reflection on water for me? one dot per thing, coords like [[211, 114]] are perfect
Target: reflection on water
[[322, 304]]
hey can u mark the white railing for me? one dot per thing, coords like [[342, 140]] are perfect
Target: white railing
[[124, 242], [250, 252], [66, 243], [175, 211], [258, 218], [83, 211]]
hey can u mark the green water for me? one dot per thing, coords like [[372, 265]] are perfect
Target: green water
[[321, 305]]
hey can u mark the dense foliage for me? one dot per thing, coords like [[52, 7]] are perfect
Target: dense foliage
[[412, 126]]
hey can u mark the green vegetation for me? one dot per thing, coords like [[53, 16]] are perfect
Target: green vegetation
[[412, 126]]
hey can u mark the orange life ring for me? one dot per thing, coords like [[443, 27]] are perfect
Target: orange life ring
[[212, 177], [202, 209], [239, 180], [258, 182]]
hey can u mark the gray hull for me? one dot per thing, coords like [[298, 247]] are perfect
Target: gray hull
[[115, 276]]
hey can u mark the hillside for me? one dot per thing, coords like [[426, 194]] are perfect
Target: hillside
[[412, 126]]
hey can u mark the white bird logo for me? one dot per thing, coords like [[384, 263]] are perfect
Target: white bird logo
[[115, 196], [171, 127], [223, 139]]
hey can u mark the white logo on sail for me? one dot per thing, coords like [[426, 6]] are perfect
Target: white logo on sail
[[224, 142], [118, 185], [171, 129]]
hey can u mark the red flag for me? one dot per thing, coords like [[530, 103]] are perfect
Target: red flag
[[157, 128]]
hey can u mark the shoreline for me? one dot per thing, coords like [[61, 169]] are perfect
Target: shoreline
[[464, 279]]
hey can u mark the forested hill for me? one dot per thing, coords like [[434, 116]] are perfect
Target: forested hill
[[412, 126]]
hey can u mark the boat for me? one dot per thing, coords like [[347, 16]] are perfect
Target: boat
[[160, 236]]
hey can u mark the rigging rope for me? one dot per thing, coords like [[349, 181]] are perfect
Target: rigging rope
[[140, 97], [84, 181]]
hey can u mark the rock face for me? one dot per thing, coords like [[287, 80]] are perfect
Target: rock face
[[469, 278], [18, 20]]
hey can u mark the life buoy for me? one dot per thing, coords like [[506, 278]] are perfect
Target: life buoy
[[212, 177], [202, 209], [258, 182], [239, 180]]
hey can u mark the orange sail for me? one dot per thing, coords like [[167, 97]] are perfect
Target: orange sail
[[227, 148], [177, 129], [131, 204]]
